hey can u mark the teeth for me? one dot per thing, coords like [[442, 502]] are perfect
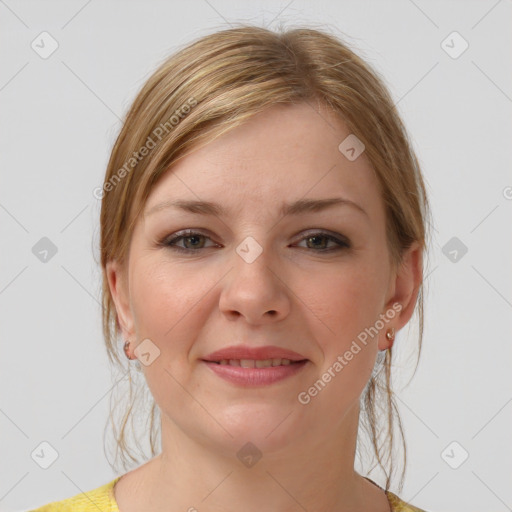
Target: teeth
[[259, 363]]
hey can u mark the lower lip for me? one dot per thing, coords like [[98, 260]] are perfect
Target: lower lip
[[248, 377]]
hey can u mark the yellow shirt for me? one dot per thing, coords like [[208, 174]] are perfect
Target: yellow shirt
[[102, 498]]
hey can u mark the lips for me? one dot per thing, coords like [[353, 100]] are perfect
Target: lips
[[243, 352]]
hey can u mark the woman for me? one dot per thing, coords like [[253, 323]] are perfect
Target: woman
[[263, 226]]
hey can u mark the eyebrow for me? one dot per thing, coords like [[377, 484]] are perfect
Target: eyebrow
[[294, 208]]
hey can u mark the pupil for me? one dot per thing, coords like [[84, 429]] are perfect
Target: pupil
[[192, 238], [316, 238]]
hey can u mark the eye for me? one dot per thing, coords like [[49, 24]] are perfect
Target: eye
[[320, 239], [194, 241], [191, 239]]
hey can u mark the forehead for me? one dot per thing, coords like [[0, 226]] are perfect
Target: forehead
[[279, 155]]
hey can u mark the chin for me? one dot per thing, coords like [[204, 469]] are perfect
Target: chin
[[267, 426]]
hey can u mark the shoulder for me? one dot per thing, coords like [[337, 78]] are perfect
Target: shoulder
[[101, 498], [398, 505]]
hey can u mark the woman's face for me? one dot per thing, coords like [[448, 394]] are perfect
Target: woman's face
[[308, 281]]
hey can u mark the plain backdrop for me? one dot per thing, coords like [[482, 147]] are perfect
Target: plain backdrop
[[60, 114]]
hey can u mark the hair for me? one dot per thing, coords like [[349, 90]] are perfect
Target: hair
[[210, 87]]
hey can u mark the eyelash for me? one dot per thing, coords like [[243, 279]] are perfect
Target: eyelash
[[170, 242]]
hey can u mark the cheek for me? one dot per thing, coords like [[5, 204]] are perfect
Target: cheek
[[164, 298], [349, 301], [165, 302], [349, 305], [154, 304]]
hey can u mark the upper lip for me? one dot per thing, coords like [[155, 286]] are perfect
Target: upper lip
[[256, 353]]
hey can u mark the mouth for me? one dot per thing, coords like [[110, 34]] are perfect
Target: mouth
[[249, 366], [257, 363], [242, 355], [250, 373]]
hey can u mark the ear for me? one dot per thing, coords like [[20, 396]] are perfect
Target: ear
[[118, 284], [403, 289]]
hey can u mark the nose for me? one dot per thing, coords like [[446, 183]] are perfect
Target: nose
[[255, 289]]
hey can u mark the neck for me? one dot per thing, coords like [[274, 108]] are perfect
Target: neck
[[316, 474]]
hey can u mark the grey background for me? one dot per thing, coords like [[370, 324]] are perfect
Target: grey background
[[60, 116]]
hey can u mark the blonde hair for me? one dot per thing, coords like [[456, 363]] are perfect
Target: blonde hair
[[225, 78]]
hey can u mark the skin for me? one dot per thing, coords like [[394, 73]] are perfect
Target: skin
[[293, 296]]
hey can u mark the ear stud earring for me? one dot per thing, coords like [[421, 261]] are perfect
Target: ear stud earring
[[381, 354], [390, 335], [127, 350]]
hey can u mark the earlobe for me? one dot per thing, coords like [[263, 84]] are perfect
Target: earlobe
[[118, 290], [405, 285]]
